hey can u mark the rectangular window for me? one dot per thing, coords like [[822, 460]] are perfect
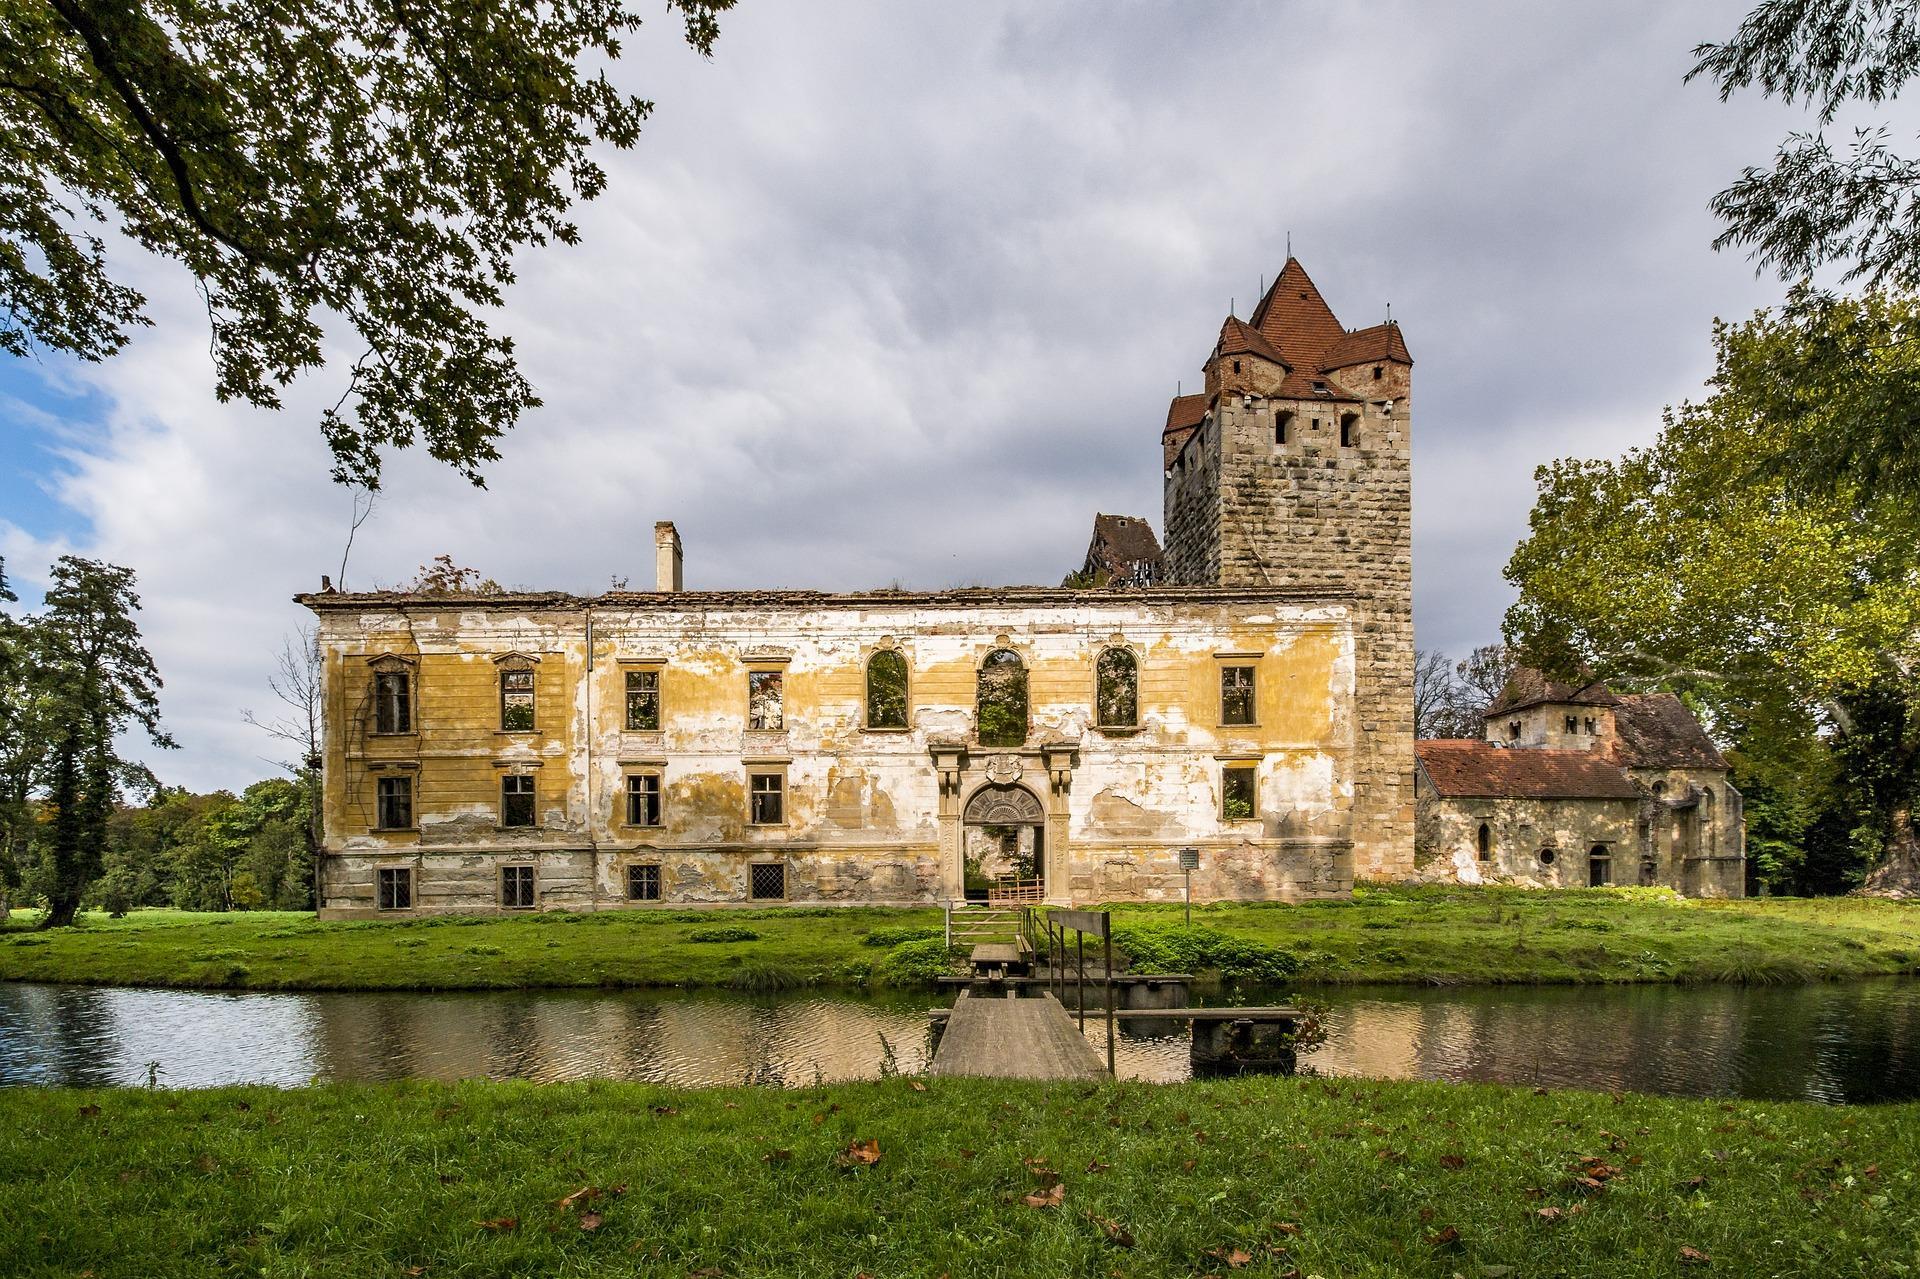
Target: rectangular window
[[392, 704], [1573, 725], [516, 799], [396, 887], [643, 799], [769, 799], [763, 701], [643, 883], [516, 700], [1237, 792], [643, 701], [1236, 694], [767, 881], [395, 803], [516, 887]]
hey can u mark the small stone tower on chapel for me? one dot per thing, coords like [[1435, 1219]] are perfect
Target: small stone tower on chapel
[[1293, 467]]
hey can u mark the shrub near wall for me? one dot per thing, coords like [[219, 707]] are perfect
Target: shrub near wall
[[1185, 948]]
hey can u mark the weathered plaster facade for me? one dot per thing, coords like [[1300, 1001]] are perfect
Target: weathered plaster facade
[[866, 813]]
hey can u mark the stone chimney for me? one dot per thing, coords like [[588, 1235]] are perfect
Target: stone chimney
[[666, 557]]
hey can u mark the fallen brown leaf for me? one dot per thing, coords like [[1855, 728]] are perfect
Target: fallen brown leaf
[[1694, 1257], [1051, 1197], [89, 1111], [589, 1221], [588, 1193], [1447, 1237], [1117, 1234], [1453, 1163], [916, 1085], [1094, 1165], [499, 1225], [665, 1111], [776, 1156], [1549, 1213], [1236, 1258], [861, 1152]]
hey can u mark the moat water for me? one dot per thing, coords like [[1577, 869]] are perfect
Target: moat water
[[1843, 1043]]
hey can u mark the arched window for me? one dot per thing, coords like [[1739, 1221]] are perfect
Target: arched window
[[886, 690], [1117, 689], [1349, 430], [1485, 841], [1001, 707]]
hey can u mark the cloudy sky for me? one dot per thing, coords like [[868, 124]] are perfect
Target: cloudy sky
[[898, 293]]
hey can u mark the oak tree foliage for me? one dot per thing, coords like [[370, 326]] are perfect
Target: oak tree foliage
[[379, 161]]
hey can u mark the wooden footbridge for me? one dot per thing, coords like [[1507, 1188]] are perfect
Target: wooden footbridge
[[1008, 1023]]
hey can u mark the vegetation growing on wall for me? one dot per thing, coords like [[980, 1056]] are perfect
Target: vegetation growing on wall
[[1002, 701]]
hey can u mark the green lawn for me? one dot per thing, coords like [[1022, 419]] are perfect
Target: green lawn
[[1444, 935], [1266, 1177]]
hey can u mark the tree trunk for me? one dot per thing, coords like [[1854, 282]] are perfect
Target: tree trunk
[[1898, 874]]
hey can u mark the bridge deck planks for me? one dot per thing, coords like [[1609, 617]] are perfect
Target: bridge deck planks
[[1014, 1039]]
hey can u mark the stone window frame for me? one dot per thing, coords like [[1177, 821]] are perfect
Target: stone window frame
[[786, 879], [657, 666], [656, 769], [1223, 662], [659, 881], [1021, 652], [776, 768], [384, 773], [1483, 841], [387, 664], [1600, 850], [1114, 644], [885, 644], [516, 774], [520, 663], [511, 870], [760, 664], [385, 875], [1283, 420], [1350, 429], [1243, 764]]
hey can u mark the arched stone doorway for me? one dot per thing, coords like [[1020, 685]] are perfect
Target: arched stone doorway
[[1004, 832]]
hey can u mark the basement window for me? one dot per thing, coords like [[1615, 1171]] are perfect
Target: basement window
[[768, 797], [392, 702], [395, 885], [1236, 695], [643, 883], [643, 701], [764, 693], [767, 881], [516, 699], [1237, 792], [516, 799], [516, 887], [394, 803], [643, 799]]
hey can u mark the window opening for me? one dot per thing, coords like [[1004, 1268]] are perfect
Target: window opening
[[643, 701], [1591, 729], [764, 712], [516, 887], [769, 799], [1236, 695], [886, 690], [396, 888], [1546, 857], [516, 799], [393, 704], [1599, 866], [395, 803], [767, 881], [1000, 710], [643, 883], [1573, 724], [1349, 430], [1485, 841], [516, 700], [1117, 689], [1237, 792], [643, 799], [1282, 421]]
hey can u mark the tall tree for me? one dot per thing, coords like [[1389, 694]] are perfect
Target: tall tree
[[1432, 694], [298, 684], [381, 163], [18, 745], [1700, 565], [96, 682]]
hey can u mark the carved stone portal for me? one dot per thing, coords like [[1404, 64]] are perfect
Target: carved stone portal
[[1003, 768], [1003, 805]]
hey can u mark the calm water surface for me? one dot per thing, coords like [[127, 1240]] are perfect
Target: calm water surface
[[1854, 1042]]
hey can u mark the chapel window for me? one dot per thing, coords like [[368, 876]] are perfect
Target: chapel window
[[1236, 695], [516, 699], [394, 803], [516, 799], [643, 701], [887, 689], [1117, 689], [392, 702], [1485, 841], [1000, 707], [764, 695], [1237, 788]]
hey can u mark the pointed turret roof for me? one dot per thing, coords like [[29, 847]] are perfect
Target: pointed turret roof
[[1296, 319], [1239, 338]]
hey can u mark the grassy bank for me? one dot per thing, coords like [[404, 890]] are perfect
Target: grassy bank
[[1261, 1177], [1445, 935]]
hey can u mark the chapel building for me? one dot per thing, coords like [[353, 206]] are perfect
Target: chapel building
[[1249, 696]]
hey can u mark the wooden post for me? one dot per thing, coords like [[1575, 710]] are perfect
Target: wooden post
[[1080, 981], [1109, 932]]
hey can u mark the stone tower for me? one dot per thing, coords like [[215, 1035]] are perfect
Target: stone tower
[[1293, 467]]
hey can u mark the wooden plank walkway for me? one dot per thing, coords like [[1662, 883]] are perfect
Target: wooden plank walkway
[[1014, 1039]]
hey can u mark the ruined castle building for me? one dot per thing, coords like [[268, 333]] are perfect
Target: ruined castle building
[[1575, 785], [1293, 469], [1250, 697]]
